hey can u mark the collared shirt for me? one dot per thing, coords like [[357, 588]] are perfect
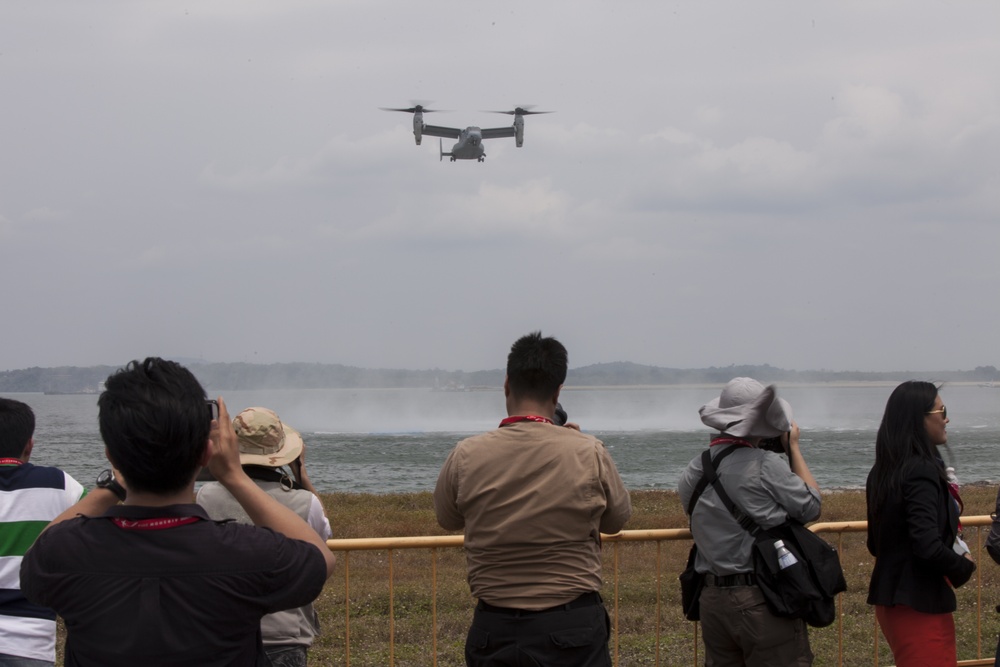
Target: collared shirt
[[758, 482], [194, 593], [30, 497], [533, 499]]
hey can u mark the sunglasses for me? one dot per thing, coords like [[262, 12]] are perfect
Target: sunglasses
[[943, 411]]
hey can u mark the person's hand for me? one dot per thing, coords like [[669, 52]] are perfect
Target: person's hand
[[572, 425], [224, 450], [790, 439]]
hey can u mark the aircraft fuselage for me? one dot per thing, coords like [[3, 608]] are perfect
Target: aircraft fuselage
[[469, 146]]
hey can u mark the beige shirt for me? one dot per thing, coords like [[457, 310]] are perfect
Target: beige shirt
[[533, 499]]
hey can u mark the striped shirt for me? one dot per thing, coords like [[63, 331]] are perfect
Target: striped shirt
[[30, 497]]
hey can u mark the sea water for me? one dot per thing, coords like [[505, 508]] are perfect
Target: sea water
[[395, 440]]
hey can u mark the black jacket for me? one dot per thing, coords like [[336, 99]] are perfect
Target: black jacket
[[912, 543]]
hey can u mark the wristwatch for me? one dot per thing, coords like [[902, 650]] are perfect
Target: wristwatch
[[106, 480]]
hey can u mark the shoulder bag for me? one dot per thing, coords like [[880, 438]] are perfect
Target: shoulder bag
[[807, 586]]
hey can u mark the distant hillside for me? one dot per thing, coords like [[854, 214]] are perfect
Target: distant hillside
[[627, 373], [218, 377]]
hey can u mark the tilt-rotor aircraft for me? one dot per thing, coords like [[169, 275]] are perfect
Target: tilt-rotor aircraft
[[470, 140]]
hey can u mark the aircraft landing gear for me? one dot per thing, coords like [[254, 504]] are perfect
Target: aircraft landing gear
[[482, 158]]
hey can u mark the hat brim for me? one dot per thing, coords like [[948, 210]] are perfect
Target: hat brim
[[290, 450], [766, 416]]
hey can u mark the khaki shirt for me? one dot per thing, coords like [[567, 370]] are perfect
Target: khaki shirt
[[533, 499]]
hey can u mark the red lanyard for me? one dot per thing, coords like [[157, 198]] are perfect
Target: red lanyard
[[11, 462], [525, 418], [154, 524], [730, 441]]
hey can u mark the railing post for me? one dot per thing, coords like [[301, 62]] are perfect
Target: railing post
[[875, 641], [658, 545], [979, 595], [697, 625], [434, 608], [392, 617], [615, 549], [840, 611], [347, 608]]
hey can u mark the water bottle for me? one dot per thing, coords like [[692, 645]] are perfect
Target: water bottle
[[785, 557]]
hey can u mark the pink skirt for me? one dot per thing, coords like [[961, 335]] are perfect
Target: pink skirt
[[918, 639]]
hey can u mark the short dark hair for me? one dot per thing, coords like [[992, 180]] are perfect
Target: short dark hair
[[17, 425], [155, 424], [536, 366]]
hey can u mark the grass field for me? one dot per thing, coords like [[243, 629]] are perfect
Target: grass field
[[410, 623]]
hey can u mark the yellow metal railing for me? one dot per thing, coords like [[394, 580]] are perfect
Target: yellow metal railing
[[434, 543]]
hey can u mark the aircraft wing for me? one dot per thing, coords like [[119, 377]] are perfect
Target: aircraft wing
[[498, 132], [438, 131]]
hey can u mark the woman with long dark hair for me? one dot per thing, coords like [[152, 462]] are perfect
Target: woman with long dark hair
[[912, 525]]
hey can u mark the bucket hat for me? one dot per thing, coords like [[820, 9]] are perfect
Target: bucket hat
[[746, 408], [264, 440]]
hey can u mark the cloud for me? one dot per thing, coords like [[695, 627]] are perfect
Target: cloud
[[526, 209], [46, 214]]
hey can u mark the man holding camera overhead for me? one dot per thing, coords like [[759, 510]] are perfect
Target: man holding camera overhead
[[154, 580]]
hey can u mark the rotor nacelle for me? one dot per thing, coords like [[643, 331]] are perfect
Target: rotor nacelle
[[519, 113], [418, 118], [418, 125]]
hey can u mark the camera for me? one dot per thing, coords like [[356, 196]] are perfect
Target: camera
[[213, 408], [772, 445], [560, 416]]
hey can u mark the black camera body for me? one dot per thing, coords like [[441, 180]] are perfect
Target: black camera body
[[772, 445], [560, 416]]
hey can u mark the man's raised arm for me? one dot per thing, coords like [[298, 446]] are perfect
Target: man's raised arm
[[263, 510]]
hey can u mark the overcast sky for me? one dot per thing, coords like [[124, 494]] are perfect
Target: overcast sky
[[810, 185]]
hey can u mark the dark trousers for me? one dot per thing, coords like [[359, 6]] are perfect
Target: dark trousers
[[565, 636], [740, 631]]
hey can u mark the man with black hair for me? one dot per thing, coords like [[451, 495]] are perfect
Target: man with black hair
[[155, 581], [533, 499], [32, 496]]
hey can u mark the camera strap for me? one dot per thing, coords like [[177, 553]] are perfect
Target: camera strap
[[262, 474]]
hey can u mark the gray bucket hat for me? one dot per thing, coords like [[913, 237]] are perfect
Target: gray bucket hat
[[746, 408]]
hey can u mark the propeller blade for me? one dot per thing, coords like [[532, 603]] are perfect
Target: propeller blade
[[524, 110], [412, 109], [418, 105]]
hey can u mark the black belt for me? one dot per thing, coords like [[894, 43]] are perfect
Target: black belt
[[585, 600], [731, 580]]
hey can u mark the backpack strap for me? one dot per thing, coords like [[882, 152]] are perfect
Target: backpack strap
[[741, 517], [707, 464]]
